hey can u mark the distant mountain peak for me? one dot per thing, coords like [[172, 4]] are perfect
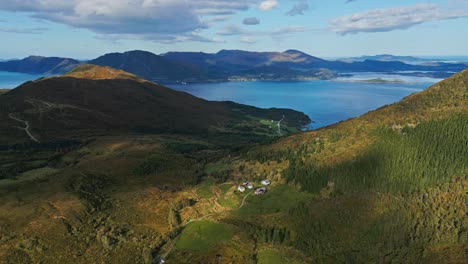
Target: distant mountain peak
[[141, 52], [35, 57], [94, 72], [294, 51], [40, 64]]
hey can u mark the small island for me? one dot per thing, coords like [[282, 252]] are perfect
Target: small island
[[380, 80], [374, 81]]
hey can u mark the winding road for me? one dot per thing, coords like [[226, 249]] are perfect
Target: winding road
[[243, 200], [279, 126], [26, 123]]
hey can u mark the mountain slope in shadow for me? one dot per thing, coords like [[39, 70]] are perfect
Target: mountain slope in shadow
[[93, 99]]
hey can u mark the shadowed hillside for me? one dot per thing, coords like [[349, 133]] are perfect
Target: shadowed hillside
[[93, 99], [152, 67], [41, 65]]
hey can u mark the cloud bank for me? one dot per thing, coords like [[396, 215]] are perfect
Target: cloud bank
[[157, 20], [266, 5], [389, 19], [233, 30]]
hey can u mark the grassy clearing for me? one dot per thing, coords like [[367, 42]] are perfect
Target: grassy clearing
[[228, 199], [33, 175], [270, 256], [267, 122], [39, 173], [204, 236], [277, 199], [204, 190], [273, 256]]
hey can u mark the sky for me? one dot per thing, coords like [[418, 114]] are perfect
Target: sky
[[86, 29]]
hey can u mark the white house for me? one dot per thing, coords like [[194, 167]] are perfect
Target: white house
[[260, 191], [265, 182], [250, 186], [241, 188]]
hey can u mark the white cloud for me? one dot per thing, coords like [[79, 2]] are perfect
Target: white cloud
[[157, 20], [231, 30], [234, 30], [389, 19], [266, 5], [248, 40], [250, 36], [289, 30]]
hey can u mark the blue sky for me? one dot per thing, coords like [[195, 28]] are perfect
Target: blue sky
[[334, 28]]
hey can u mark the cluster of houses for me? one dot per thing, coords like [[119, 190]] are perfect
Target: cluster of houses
[[258, 191]]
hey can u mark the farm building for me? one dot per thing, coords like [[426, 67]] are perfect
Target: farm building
[[265, 182], [260, 191]]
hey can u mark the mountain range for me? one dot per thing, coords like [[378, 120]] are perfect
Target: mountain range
[[228, 65], [387, 57], [40, 65]]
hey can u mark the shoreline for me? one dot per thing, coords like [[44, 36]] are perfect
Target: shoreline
[[376, 81], [336, 78]]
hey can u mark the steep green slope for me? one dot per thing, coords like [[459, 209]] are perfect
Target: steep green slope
[[346, 139], [389, 186], [398, 161]]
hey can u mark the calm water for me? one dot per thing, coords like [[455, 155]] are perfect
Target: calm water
[[326, 102], [13, 79]]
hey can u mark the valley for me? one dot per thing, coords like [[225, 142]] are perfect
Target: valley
[[233, 132], [119, 195]]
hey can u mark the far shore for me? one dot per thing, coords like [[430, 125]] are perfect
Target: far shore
[[376, 81]]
